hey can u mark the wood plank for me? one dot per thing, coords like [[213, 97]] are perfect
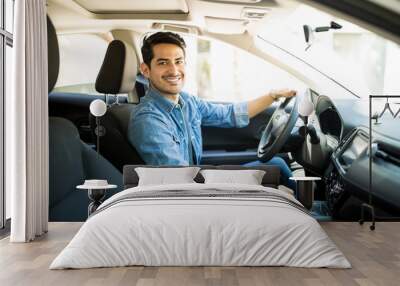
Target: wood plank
[[374, 255]]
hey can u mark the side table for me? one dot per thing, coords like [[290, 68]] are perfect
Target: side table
[[305, 191], [96, 194]]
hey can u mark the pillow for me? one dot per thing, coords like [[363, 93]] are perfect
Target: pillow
[[166, 176], [248, 177]]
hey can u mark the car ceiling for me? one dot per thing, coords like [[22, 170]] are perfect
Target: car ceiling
[[89, 15], [203, 16], [127, 6]]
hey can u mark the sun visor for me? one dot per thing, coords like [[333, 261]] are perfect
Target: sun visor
[[124, 6], [235, 1], [225, 25]]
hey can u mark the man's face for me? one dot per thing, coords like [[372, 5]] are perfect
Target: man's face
[[167, 69]]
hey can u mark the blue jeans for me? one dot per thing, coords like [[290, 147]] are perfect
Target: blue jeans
[[284, 168]]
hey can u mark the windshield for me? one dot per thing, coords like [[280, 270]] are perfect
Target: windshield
[[355, 58]]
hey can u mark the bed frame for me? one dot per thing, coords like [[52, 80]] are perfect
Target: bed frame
[[270, 179]]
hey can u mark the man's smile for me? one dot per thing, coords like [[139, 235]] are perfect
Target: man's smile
[[172, 79]]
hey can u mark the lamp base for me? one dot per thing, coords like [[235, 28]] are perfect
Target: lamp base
[[96, 198]]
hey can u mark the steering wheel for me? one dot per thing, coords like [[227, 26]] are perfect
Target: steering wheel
[[278, 130]]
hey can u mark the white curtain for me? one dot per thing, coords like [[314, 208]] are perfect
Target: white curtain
[[27, 124]]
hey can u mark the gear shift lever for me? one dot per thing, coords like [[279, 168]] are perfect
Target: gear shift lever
[[306, 108]]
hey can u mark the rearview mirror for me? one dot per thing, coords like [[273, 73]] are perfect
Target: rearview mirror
[[309, 32], [308, 35]]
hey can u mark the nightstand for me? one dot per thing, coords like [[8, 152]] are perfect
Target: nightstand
[[305, 191], [96, 192]]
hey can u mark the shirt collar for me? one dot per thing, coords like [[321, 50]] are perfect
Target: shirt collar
[[163, 102]]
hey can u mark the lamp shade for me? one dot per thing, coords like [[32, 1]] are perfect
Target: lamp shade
[[306, 107], [98, 107]]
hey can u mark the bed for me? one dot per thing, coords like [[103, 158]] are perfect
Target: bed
[[201, 224]]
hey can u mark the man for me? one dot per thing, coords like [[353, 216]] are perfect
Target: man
[[165, 128]]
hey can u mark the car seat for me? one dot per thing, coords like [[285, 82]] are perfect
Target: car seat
[[71, 161], [117, 75]]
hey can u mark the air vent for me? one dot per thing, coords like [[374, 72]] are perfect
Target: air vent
[[236, 1], [134, 7], [176, 28], [254, 13]]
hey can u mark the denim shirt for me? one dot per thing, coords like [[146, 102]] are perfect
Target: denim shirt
[[159, 129]]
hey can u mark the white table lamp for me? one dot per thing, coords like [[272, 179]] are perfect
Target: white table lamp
[[98, 108]]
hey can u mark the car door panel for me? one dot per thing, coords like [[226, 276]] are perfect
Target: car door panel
[[218, 157], [75, 107], [234, 145]]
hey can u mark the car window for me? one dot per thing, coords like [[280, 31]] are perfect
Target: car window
[[360, 60], [217, 71], [81, 56]]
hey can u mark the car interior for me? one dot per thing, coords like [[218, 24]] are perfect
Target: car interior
[[71, 160], [332, 143]]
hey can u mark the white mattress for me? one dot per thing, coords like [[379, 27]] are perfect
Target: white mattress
[[183, 231]]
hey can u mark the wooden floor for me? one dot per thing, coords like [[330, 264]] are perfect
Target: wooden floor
[[374, 255]]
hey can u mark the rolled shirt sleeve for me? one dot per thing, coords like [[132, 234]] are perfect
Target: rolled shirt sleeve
[[223, 115], [241, 114]]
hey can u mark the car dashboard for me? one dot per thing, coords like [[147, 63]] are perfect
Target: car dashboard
[[328, 126], [342, 160], [330, 122], [350, 170]]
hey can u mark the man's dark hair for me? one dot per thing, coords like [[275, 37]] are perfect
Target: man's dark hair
[[160, 38]]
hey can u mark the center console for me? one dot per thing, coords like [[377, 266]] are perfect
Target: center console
[[348, 174], [335, 191], [351, 149]]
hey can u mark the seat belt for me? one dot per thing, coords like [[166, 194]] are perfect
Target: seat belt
[[192, 159]]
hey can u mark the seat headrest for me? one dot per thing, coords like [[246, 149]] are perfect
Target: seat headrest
[[118, 71], [53, 55]]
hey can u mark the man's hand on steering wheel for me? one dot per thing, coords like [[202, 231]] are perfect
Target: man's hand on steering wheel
[[259, 104], [276, 94], [280, 125]]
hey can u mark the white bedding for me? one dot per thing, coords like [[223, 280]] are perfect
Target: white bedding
[[181, 231]]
